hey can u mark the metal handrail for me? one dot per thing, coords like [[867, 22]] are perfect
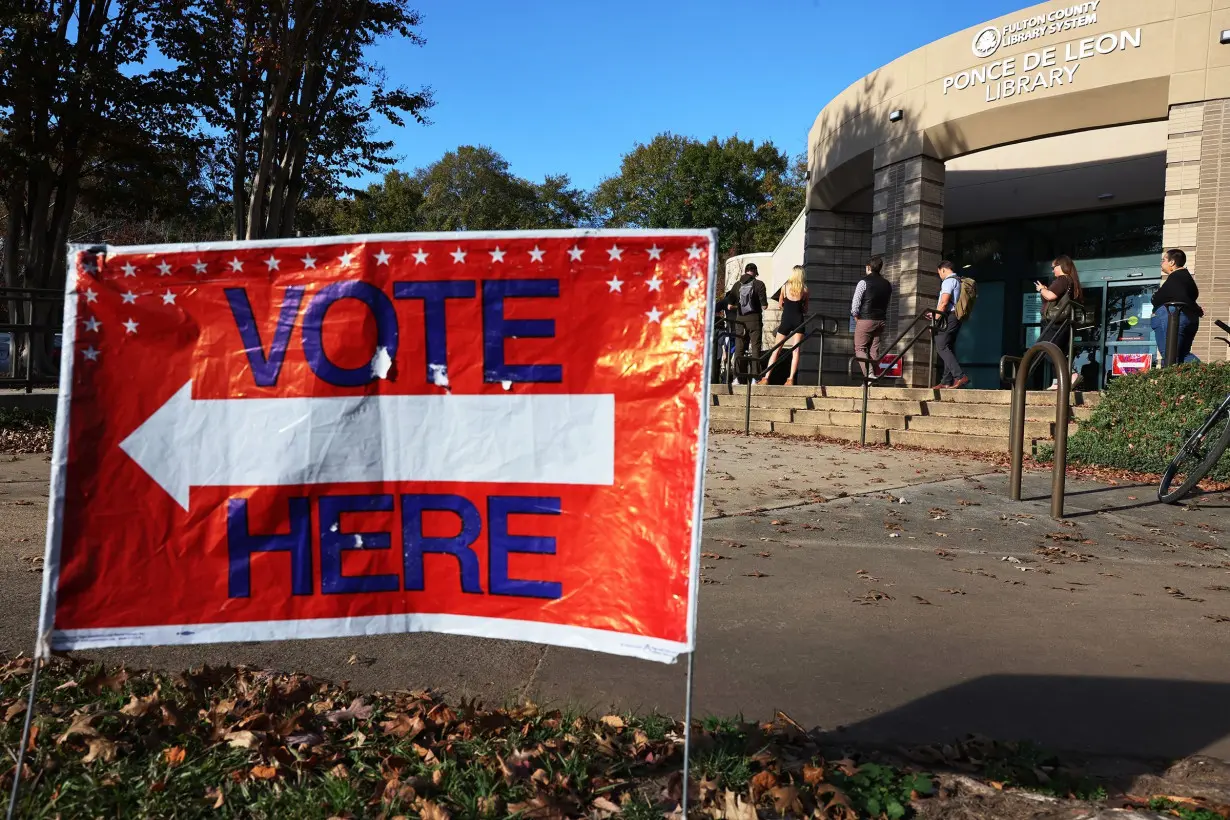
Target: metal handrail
[[748, 358], [1016, 441], [872, 370], [14, 296]]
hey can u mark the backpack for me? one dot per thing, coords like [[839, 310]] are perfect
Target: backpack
[[747, 298], [967, 299]]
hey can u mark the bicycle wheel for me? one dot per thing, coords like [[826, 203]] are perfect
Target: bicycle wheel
[[1196, 457]]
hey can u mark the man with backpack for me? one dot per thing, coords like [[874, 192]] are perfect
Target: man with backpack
[[749, 298], [956, 302]]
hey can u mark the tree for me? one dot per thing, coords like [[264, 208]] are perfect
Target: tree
[[750, 193], [82, 127], [470, 189], [287, 85]]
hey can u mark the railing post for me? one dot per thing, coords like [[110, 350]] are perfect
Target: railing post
[[820, 374], [862, 435], [931, 356], [747, 407], [1059, 469], [1172, 336], [30, 353]]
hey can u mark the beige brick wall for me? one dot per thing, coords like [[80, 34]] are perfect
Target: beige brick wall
[[908, 231], [1197, 217], [835, 255]]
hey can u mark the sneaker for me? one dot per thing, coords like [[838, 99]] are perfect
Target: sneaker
[[1054, 385]]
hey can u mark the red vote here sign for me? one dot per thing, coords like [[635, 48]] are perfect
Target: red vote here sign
[[486, 434]]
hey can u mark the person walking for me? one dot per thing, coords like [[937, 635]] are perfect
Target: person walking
[[1058, 300], [749, 298], [945, 315], [794, 299], [1177, 286], [870, 311]]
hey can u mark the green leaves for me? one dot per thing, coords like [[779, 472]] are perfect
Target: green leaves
[[750, 193], [1140, 423]]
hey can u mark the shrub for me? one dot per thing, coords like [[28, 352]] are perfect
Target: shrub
[[1143, 419]]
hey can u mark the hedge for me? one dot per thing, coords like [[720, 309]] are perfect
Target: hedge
[[1142, 419]]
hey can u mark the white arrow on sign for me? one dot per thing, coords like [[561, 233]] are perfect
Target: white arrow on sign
[[521, 439]]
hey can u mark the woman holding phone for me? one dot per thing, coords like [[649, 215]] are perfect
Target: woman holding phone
[[1058, 300]]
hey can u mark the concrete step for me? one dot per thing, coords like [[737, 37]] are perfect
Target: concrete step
[[758, 414], [903, 408], [1033, 412], [881, 421], [886, 393], [764, 402], [828, 431], [953, 427], [1040, 397], [767, 390], [946, 441], [730, 425]]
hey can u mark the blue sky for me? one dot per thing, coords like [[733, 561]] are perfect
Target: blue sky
[[569, 86]]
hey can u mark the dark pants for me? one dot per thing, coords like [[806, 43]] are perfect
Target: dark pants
[[1187, 334], [945, 341], [867, 333], [751, 334]]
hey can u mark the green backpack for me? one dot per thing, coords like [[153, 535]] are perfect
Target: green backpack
[[967, 299]]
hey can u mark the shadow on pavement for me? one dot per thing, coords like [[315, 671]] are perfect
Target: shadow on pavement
[[1093, 715]]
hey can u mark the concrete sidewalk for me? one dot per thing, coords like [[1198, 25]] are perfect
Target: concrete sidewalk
[[954, 612]]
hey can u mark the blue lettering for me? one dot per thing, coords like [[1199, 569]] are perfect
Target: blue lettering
[[313, 331], [499, 508], [333, 542], [241, 544], [434, 295], [416, 544], [496, 329], [265, 369]]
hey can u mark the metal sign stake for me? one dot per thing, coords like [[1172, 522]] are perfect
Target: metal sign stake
[[25, 740]]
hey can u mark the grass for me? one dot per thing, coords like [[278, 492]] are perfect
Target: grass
[[240, 743]]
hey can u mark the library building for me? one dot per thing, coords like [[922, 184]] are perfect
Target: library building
[[1098, 130]]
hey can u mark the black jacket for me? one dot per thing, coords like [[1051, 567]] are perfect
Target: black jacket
[[760, 295], [1180, 287]]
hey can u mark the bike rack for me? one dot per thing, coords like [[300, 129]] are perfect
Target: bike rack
[[1016, 445], [821, 331], [871, 367]]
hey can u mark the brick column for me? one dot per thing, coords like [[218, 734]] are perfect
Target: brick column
[[835, 254], [1197, 220], [908, 231]]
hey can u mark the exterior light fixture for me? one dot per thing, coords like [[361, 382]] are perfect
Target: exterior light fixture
[[1225, 37], [898, 115]]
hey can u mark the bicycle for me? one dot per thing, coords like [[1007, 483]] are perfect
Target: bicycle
[[1197, 456], [727, 332]]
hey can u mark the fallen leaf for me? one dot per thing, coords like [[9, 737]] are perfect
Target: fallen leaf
[[541, 808], [357, 710], [735, 808], [404, 726], [140, 707], [922, 600], [96, 683], [761, 783], [755, 574], [100, 749], [217, 795], [764, 554], [786, 801], [1220, 619], [243, 739], [813, 774], [33, 738], [713, 556], [174, 755], [263, 772], [13, 711], [340, 772], [614, 721]]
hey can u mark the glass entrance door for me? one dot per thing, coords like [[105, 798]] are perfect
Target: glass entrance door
[[1129, 336]]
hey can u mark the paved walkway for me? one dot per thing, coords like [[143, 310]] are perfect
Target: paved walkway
[[954, 612]]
